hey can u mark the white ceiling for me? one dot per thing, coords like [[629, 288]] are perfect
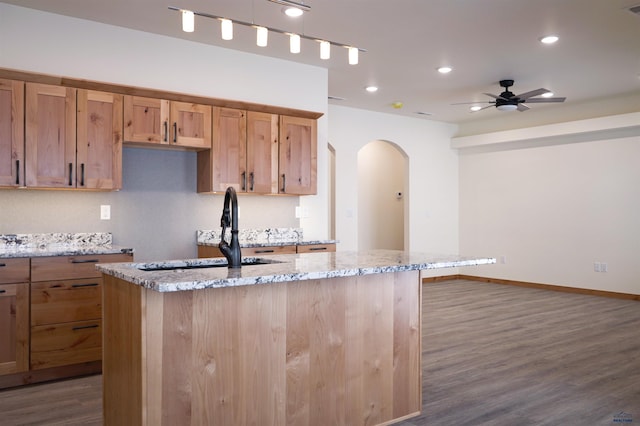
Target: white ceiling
[[598, 55]]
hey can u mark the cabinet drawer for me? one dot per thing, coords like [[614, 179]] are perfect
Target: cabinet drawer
[[65, 344], [256, 251], [71, 267], [66, 301], [14, 270], [316, 248]]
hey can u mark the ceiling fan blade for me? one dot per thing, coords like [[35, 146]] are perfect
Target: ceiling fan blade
[[522, 107], [544, 100], [488, 106], [532, 93], [495, 96], [474, 103]]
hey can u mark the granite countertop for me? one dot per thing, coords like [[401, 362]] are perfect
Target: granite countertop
[[58, 244], [196, 274], [269, 237]]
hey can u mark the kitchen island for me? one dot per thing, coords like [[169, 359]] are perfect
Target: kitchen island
[[300, 339]]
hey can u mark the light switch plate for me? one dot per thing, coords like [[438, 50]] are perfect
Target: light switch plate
[[105, 212]]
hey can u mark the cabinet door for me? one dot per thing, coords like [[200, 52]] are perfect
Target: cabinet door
[[229, 149], [190, 125], [146, 120], [99, 140], [14, 328], [11, 133], [50, 136], [298, 155], [262, 153]]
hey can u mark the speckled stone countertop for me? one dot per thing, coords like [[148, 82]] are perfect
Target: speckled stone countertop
[[58, 244], [259, 237], [196, 274]]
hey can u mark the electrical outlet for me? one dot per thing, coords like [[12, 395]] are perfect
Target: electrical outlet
[[503, 259], [105, 212], [596, 267], [603, 267]]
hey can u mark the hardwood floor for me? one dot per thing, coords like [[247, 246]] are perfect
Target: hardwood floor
[[492, 355]]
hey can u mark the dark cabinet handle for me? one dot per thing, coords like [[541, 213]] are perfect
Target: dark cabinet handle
[[2, 265], [175, 131], [166, 131], [283, 182], [265, 251], [82, 174], [3, 291], [85, 261], [17, 172], [244, 181], [317, 248], [84, 285], [251, 181], [70, 174], [83, 327]]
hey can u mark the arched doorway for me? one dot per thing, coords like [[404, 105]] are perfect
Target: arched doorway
[[382, 189]]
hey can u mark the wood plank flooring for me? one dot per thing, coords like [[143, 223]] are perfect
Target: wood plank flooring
[[492, 355]]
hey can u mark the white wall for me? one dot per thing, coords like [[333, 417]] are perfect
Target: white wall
[[158, 211], [432, 214], [554, 209]]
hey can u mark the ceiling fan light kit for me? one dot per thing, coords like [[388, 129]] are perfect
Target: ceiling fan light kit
[[262, 31]]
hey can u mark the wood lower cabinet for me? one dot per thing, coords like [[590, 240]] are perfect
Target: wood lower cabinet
[[163, 123], [51, 317], [315, 248], [213, 251], [244, 153], [14, 315], [11, 133]]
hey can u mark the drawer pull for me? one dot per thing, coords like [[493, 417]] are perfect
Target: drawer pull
[[83, 327], [85, 261], [265, 251], [3, 291], [2, 265], [317, 248], [84, 285]]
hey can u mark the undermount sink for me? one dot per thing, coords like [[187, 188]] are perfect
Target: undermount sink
[[204, 265]]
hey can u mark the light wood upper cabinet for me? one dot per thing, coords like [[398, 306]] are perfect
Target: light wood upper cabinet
[[262, 152], [298, 156], [73, 138], [50, 136], [166, 123], [243, 153], [99, 140], [11, 133]]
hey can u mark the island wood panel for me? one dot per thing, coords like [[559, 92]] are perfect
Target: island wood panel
[[298, 353], [122, 356]]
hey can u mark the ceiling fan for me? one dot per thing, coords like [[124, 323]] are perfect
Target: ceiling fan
[[507, 101]]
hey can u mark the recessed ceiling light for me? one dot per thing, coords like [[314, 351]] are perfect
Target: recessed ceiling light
[[550, 39], [547, 95], [445, 70], [292, 12], [371, 89], [475, 108]]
